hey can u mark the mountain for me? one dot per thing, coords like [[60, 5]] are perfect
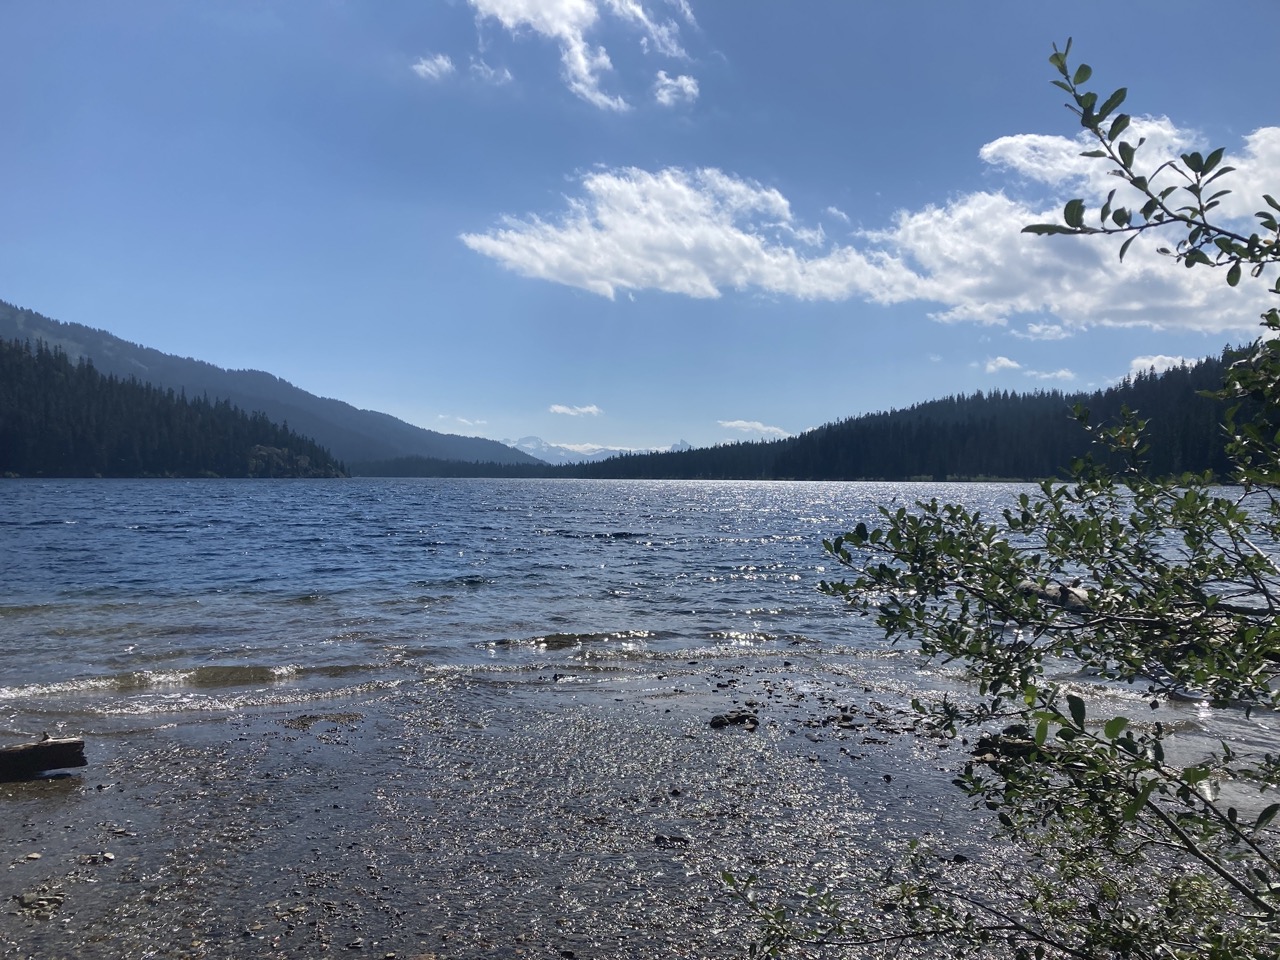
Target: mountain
[[996, 435], [59, 419], [559, 454], [349, 433]]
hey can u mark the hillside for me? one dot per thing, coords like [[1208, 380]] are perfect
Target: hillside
[[997, 435], [59, 419], [349, 433]]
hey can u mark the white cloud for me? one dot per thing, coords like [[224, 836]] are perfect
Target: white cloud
[[1063, 375], [703, 232], [686, 12], [461, 420], [663, 37], [996, 364], [838, 214], [669, 91], [591, 410], [436, 67], [489, 74], [1000, 364], [753, 426], [1159, 362], [569, 22], [685, 232], [1042, 331]]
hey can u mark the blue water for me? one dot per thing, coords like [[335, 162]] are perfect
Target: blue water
[[455, 717], [127, 598]]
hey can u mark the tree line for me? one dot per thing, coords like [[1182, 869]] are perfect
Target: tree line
[[998, 435], [64, 419]]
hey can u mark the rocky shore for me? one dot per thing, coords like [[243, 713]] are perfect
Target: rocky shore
[[475, 816]]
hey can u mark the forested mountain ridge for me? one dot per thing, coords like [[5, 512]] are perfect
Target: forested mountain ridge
[[996, 435], [59, 419], [350, 433]]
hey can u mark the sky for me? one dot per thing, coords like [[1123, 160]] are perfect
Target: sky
[[619, 223]]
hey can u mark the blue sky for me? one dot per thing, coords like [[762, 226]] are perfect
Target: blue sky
[[616, 222]]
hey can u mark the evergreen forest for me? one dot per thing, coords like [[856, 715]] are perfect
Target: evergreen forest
[[64, 419], [1000, 435]]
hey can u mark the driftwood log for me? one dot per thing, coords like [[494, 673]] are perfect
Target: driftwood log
[[25, 760]]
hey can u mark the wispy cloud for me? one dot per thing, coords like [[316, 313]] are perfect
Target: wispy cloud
[[753, 426], [461, 420], [1001, 364], [670, 91], [569, 22], [435, 67], [689, 232], [488, 74], [1042, 331], [997, 364], [1158, 362], [838, 214], [703, 232], [589, 411], [1064, 375]]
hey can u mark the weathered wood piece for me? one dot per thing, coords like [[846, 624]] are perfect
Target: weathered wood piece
[[25, 760]]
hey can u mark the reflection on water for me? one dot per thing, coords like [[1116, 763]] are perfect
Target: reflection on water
[[124, 598]]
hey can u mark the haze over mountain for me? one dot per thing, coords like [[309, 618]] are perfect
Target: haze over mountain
[[349, 433], [558, 453]]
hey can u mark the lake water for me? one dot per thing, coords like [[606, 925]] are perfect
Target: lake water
[[459, 718], [127, 598]]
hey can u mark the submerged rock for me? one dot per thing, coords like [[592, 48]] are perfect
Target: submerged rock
[[736, 718]]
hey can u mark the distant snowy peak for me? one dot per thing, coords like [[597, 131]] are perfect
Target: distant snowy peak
[[556, 453]]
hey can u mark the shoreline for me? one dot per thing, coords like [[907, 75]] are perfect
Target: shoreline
[[469, 817]]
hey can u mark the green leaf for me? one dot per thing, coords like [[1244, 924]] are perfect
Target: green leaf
[[1266, 816], [1073, 213], [1083, 73], [1118, 126], [1046, 229], [1042, 732], [1233, 275], [1212, 160], [1127, 152], [1134, 806], [1076, 706], [1194, 775], [1112, 102], [1124, 247], [1115, 726]]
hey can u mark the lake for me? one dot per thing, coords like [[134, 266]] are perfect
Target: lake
[[127, 598], [454, 718]]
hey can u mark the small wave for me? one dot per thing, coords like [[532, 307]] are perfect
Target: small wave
[[204, 677], [591, 534], [199, 703], [23, 609], [744, 637], [567, 641], [305, 600]]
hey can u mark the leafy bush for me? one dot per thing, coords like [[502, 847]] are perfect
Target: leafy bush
[[1170, 586]]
